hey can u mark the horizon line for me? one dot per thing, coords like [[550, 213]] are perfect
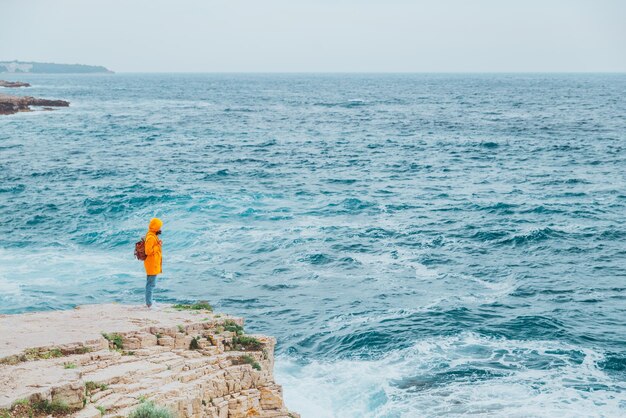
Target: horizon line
[[328, 72]]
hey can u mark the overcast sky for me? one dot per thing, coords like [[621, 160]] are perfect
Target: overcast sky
[[318, 35]]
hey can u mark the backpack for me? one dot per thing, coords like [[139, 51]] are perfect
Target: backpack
[[140, 250]]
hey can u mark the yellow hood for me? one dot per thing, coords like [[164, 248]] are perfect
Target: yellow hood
[[155, 224]]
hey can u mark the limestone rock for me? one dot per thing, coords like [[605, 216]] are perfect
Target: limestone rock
[[71, 363]]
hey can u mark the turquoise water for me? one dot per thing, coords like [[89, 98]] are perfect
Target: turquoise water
[[420, 245]]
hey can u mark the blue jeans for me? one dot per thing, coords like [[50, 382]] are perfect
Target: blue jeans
[[150, 283]]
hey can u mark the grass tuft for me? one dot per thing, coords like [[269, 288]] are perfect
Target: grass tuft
[[232, 326], [150, 410], [245, 343], [55, 352], [247, 359], [36, 354], [51, 408], [69, 366], [198, 306], [91, 386], [115, 340], [83, 350]]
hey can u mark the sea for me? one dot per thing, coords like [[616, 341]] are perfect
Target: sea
[[421, 245]]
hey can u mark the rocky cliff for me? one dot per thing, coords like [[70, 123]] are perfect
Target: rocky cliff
[[113, 360]]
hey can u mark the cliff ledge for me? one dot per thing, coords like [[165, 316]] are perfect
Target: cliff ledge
[[109, 360]]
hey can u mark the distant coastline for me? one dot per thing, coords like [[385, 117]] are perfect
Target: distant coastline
[[22, 67]]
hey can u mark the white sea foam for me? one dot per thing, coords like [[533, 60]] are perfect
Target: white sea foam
[[466, 375], [50, 273]]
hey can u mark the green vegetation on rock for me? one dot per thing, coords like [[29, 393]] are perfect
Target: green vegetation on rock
[[150, 410], [243, 343], [232, 326], [37, 354], [26, 408], [92, 386], [114, 340], [247, 359], [198, 306]]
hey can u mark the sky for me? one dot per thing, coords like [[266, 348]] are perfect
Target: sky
[[319, 35]]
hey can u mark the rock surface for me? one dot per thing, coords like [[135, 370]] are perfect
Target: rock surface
[[104, 360], [4, 83], [13, 104]]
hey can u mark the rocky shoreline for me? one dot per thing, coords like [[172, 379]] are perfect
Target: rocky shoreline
[[10, 105], [111, 360], [13, 84]]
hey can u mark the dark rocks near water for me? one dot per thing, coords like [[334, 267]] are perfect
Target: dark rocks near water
[[13, 84], [13, 104]]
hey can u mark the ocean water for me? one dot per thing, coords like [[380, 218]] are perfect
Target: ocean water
[[421, 245]]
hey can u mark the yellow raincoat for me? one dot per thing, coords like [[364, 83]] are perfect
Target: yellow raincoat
[[153, 262]]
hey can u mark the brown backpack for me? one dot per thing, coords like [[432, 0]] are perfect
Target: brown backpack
[[140, 250]]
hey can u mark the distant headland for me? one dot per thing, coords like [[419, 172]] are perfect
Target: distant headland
[[50, 68]]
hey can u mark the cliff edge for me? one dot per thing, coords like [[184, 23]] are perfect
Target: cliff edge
[[113, 360]]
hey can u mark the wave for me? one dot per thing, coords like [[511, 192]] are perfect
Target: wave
[[347, 104], [459, 375], [533, 236], [341, 181], [317, 259], [531, 327], [489, 235], [239, 110], [489, 145], [346, 206], [18, 188], [219, 174], [542, 209]]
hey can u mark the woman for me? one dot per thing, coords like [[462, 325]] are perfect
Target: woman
[[153, 262]]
